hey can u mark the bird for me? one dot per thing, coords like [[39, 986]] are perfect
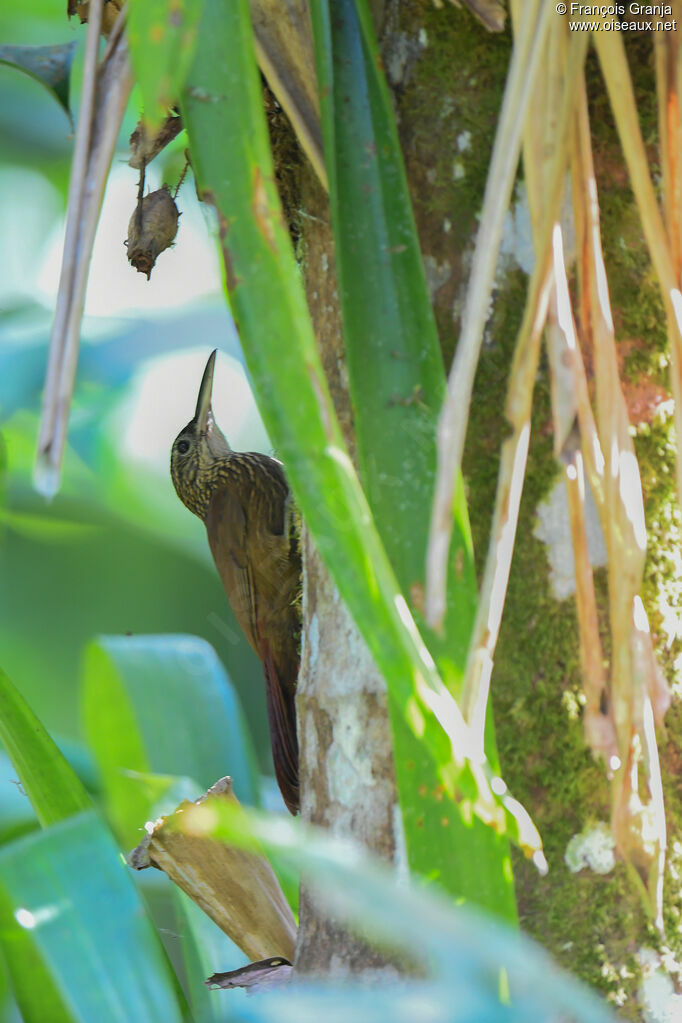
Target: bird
[[244, 501]]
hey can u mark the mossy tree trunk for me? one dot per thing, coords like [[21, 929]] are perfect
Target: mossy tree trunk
[[447, 74]]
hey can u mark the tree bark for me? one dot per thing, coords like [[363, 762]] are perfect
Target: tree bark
[[346, 751]]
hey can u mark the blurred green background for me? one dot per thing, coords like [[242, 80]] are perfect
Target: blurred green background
[[115, 552]]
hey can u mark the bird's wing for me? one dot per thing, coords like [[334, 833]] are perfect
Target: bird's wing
[[226, 527], [251, 552]]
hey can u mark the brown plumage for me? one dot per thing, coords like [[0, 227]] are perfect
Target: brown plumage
[[244, 501]]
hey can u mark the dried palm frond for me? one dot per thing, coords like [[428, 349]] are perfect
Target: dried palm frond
[[627, 698]]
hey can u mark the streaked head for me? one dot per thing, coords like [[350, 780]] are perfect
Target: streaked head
[[197, 449]]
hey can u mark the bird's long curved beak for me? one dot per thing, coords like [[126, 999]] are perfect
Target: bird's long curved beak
[[204, 400]]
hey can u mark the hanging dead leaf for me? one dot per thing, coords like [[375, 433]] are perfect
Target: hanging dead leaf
[[268, 973], [152, 228], [145, 145]]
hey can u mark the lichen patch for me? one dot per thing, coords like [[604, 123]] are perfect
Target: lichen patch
[[554, 530], [593, 848]]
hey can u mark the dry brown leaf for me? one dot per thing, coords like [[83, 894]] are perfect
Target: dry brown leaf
[[268, 973], [145, 146], [490, 12], [236, 888], [110, 12], [152, 229]]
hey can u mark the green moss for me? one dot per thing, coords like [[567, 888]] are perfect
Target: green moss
[[447, 108], [636, 298], [656, 453], [458, 155]]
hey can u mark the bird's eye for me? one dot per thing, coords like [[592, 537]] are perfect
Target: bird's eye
[[183, 446]]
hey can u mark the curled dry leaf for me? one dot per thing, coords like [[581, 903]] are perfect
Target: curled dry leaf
[[268, 973], [152, 228], [110, 12], [236, 888], [145, 145], [490, 12]]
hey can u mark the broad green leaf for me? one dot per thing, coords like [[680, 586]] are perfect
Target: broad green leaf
[[51, 785], [162, 36], [459, 946], [223, 113], [33, 986], [397, 383], [16, 813], [67, 900], [49, 65], [80, 759], [162, 705]]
